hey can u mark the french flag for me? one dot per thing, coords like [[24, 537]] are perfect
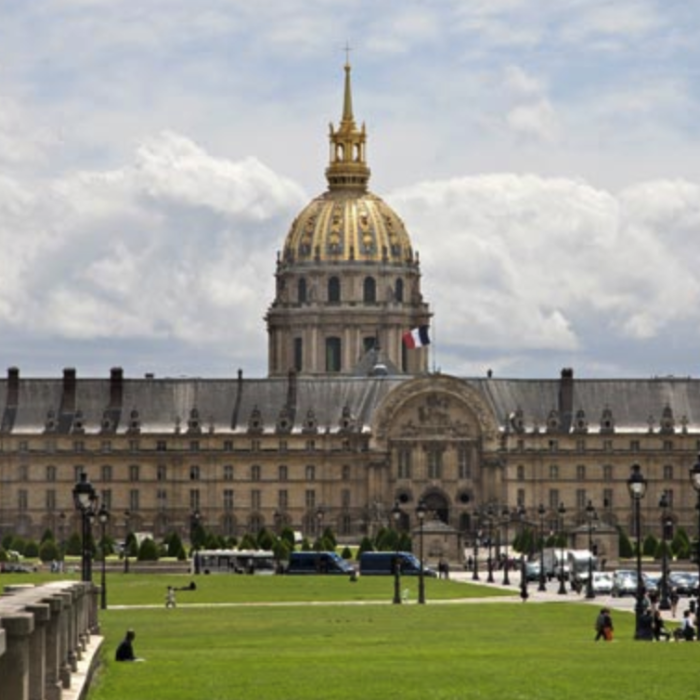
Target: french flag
[[416, 337]]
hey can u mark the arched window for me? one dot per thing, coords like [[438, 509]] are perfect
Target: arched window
[[370, 290], [301, 290], [398, 290], [334, 290]]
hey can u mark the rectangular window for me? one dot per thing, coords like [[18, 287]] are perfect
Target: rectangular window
[[283, 446], [608, 498], [669, 498], [346, 472], [580, 472], [580, 445], [107, 499], [194, 499], [581, 500], [464, 464], [521, 497], [194, 445], [23, 446], [50, 473], [106, 446], [282, 473], [520, 473], [333, 348], [78, 446], [228, 472], [553, 445], [134, 472], [310, 498], [228, 499], [283, 499], [668, 445], [194, 473], [607, 472], [134, 445], [553, 471], [434, 463], [310, 445], [162, 472], [298, 354], [554, 499], [310, 472], [134, 500], [78, 469], [161, 446], [345, 498], [255, 499], [162, 500], [404, 457], [228, 445], [608, 445], [23, 474], [22, 500], [668, 472], [255, 472], [634, 445], [50, 500], [255, 445]]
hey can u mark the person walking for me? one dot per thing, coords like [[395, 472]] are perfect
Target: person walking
[[170, 598], [604, 625]]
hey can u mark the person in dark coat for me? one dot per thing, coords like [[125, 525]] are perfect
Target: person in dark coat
[[125, 650]]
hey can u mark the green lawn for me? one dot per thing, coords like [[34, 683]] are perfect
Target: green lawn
[[343, 651]]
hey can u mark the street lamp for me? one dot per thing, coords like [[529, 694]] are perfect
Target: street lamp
[[506, 579], [396, 514], [541, 512], [61, 536], [637, 486], [127, 516], [319, 521], [562, 584], [590, 516], [477, 534], [103, 517], [695, 480], [85, 500], [420, 514], [664, 603], [489, 515], [194, 526]]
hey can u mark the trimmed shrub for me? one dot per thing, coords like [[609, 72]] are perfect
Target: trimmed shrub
[[31, 549], [148, 551], [346, 553], [365, 546]]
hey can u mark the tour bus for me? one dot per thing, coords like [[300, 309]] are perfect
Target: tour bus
[[318, 563], [234, 561], [382, 563]]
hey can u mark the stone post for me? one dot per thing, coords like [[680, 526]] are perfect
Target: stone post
[[14, 663]]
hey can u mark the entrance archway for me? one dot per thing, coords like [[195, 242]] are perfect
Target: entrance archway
[[437, 506]]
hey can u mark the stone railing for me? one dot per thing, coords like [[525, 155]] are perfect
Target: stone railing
[[49, 640]]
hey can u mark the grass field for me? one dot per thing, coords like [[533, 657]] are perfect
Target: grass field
[[240, 645]]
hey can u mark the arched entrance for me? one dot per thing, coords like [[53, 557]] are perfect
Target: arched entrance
[[437, 506]]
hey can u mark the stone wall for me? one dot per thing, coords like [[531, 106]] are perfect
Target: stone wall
[[48, 640]]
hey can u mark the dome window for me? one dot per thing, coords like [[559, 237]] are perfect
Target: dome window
[[398, 291], [334, 290], [301, 291], [369, 294]]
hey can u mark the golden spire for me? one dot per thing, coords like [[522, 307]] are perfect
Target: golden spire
[[347, 168]]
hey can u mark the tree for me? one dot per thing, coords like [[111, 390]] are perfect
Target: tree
[[48, 551], [148, 551], [346, 553], [248, 542], [31, 549], [18, 544], [626, 549], [649, 546], [48, 535], [132, 545], [74, 546], [266, 540], [174, 545], [365, 546], [288, 536]]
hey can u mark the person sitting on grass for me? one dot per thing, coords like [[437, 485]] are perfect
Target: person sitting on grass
[[125, 650]]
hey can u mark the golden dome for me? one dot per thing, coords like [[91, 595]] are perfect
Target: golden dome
[[348, 223]]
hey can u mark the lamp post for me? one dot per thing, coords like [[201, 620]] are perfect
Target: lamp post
[[541, 512], [396, 514], [695, 481], [194, 527], [637, 486], [61, 536], [506, 564], [562, 541], [127, 517], [319, 522], [420, 514], [523, 569], [103, 517], [489, 516], [85, 500], [664, 603], [590, 517], [477, 534]]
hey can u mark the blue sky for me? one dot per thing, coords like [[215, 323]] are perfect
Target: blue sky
[[543, 155]]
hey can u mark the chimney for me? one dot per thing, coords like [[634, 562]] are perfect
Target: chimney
[[12, 387], [116, 387], [69, 386], [566, 399]]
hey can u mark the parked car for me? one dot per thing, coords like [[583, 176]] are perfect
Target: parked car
[[602, 582], [532, 570], [684, 582], [624, 582]]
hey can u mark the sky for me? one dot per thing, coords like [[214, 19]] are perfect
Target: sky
[[543, 154]]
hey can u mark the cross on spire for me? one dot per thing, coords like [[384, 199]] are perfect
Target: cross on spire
[[347, 48]]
